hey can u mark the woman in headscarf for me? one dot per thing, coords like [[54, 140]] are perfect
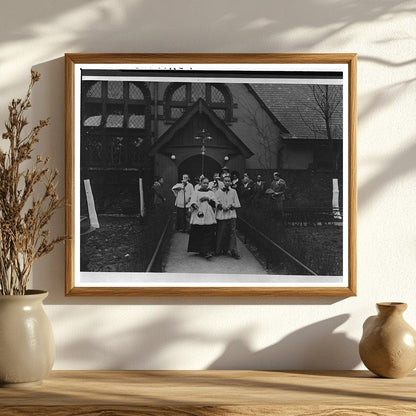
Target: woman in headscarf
[[203, 222]]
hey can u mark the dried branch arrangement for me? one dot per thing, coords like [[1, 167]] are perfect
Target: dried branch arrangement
[[28, 199]]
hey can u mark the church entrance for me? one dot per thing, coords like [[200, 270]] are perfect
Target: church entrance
[[178, 150], [193, 167]]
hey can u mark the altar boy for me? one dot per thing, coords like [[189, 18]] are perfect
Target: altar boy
[[226, 216], [183, 192]]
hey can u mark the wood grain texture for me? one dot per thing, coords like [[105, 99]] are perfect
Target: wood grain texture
[[352, 174], [203, 393], [170, 58], [341, 292], [215, 58], [210, 411], [69, 174]]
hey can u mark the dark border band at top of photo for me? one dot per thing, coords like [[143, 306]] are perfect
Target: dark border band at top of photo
[[244, 74]]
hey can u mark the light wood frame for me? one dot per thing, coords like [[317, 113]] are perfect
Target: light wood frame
[[72, 60]]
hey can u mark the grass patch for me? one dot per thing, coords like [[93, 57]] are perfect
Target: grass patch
[[319, 247], [124, 244]]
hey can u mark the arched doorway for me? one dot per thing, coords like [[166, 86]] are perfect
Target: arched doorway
[[193, 167]]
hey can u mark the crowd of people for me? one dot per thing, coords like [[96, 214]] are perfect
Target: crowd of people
[[207, 209]]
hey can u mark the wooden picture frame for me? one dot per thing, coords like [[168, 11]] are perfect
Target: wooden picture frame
[[128, 114]]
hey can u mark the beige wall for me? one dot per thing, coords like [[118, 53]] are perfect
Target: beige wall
[[193, 333]]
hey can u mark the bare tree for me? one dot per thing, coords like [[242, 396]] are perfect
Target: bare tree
[[265, 138], [325, 102]]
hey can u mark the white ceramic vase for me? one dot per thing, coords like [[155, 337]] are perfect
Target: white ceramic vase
[[27, 346]]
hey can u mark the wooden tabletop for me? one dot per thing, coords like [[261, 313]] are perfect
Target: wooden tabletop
[[253, 393]]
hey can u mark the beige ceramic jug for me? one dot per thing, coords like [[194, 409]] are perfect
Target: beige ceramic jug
[[388, 345]]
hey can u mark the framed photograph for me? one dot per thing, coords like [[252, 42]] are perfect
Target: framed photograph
[[211, 174]]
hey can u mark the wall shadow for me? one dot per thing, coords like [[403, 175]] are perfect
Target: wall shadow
[[103, 26], [314, 347], [138, 347], [133, 17], [393, 169]]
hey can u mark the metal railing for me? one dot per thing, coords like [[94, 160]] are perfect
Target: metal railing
[[156, 257], [258, 235]]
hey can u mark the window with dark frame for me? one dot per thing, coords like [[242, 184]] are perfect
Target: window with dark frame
[[115, 125], [179, 96]]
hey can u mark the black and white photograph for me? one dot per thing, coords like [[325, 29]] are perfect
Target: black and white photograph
[[211, 175]]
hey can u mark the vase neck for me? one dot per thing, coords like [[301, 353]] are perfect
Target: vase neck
[[390, 308], [30, 296]]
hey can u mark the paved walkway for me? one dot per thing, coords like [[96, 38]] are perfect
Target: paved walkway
[[180, 261]]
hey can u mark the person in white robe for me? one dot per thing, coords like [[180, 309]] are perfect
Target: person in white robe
[[203, 222], [183, 192], [226, 216]]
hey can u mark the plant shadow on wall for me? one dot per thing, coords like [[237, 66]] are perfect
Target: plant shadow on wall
[[274, 22], [316, 346], [131, 346], [77, 26], [395, 168], [403, 162]]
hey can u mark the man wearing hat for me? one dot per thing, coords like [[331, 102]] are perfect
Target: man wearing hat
[[225, 172]]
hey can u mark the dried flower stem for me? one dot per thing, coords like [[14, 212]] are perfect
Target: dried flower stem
[[23, 218]]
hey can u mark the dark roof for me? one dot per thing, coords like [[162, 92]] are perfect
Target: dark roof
[[294, 107]]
